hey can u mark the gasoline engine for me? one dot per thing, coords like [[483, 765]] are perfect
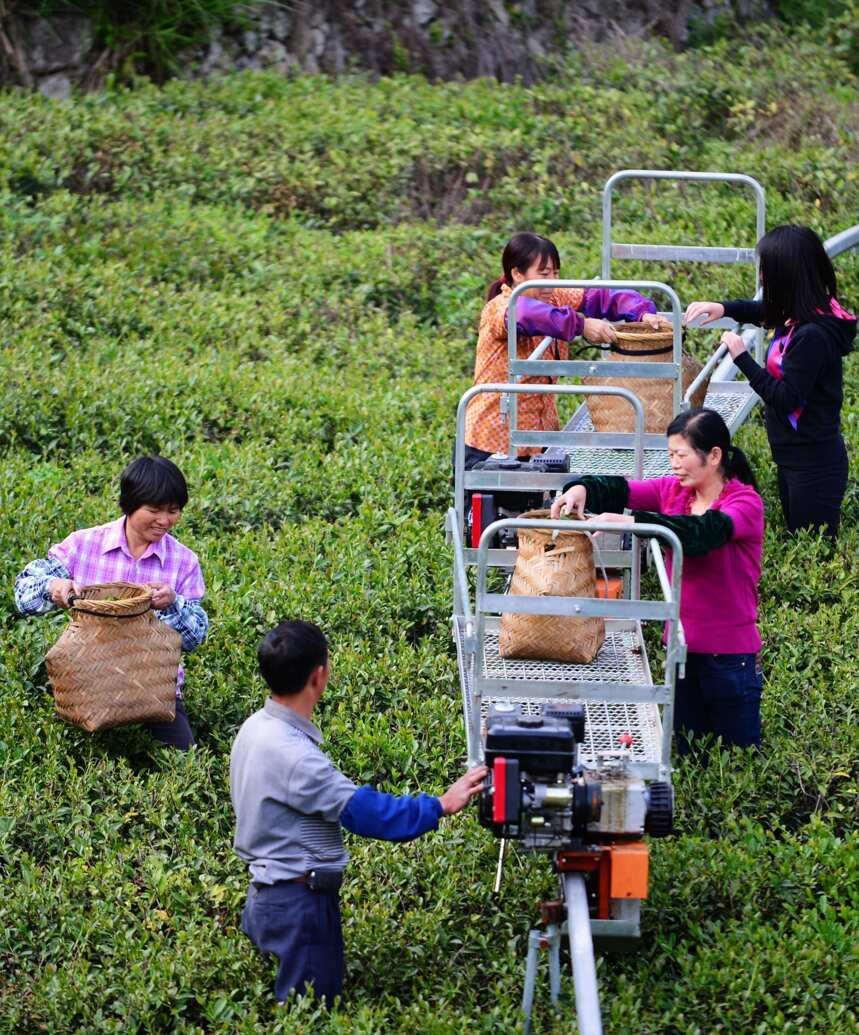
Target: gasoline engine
[[538, 794]]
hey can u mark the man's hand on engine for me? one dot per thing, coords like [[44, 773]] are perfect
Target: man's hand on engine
[[459, 794]]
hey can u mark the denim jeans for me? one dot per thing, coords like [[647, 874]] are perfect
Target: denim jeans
[[720, 695], [302, 928]]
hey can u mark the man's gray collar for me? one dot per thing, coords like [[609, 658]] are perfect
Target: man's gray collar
[[286, 714]]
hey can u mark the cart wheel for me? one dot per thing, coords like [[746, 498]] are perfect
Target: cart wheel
[[659, 821]]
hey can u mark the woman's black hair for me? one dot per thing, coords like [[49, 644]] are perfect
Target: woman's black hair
[[796, 275], [704, 429], [288, 654], [519, 254], [151, 481]]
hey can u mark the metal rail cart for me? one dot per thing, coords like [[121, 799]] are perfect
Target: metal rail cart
[[590, 451], [627, 713], [732, 398]]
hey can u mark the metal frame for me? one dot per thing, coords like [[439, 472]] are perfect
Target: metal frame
[[842, 242], [535, 366], [474, 628], [684, 253], [523, 481]]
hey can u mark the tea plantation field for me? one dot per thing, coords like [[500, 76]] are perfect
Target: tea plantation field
[[276, 283]]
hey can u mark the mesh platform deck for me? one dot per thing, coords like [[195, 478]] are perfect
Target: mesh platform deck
[[620, 660], [593, 460], [618, 461], [605, 721], [729, 405]]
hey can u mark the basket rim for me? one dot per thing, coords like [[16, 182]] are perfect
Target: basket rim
[[632, 334], [548, 533], [136, 603]]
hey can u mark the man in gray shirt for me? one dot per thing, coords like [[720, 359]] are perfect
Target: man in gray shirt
[[290, 803]]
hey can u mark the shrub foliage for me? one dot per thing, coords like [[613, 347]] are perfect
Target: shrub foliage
[[276, 283]]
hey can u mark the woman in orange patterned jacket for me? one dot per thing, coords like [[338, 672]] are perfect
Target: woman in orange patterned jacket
[[562, 313]]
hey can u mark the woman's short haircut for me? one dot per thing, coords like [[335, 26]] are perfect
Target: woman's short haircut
[[797, 276], [289, 653], [151, 481]]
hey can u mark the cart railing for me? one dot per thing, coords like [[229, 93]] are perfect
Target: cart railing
[[625, 613], [536, 366], [540, 481], [522, 481], [684, 253]]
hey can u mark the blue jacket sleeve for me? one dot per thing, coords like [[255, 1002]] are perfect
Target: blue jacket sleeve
[[371, 813], [189, 619]]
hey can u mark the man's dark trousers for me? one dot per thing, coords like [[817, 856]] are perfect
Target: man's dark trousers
[[302, 929]]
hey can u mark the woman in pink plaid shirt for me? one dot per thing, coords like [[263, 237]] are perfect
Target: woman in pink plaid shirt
[[137, 547]]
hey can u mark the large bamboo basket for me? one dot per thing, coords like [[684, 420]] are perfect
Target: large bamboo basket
[[563, 566], [611, 413], [115, 663]]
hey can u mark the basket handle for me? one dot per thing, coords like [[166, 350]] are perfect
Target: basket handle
[[620, 350]]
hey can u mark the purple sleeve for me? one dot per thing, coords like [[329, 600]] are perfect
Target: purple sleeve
[[646, 495], [605, 304], [534, 317]]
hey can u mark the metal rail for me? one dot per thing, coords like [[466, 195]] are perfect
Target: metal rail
[[532, 367], [582, 955], [721, 351], [842, 242], [683, 253]]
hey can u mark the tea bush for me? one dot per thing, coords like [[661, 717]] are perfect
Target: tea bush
[[276, 283]]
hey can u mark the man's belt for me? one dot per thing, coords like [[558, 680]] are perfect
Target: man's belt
[[320, 878]]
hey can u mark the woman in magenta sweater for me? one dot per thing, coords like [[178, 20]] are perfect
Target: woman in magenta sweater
[[711, 502]]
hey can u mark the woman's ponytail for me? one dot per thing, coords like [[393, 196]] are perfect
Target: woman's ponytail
[[494, 288], [738, 466]]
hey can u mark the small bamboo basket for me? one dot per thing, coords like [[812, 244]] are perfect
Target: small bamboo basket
[[115, 662], [552, 566], [642, 344]]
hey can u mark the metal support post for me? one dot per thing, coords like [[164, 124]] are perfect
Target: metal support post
[[549, 939], [582, 955], [534, 937]]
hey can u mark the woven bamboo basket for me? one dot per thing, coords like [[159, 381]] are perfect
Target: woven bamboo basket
[[115, 663], [611, 413], [552, 567]]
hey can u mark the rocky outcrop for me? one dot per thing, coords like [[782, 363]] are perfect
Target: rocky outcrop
[[470, 38]]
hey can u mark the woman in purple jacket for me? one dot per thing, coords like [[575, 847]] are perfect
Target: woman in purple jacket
[[712, 504]]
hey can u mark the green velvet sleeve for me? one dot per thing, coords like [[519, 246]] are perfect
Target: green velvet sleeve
[[698, 533], [606, 493]]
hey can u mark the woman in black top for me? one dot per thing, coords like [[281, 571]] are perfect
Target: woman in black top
[[801, 383]]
